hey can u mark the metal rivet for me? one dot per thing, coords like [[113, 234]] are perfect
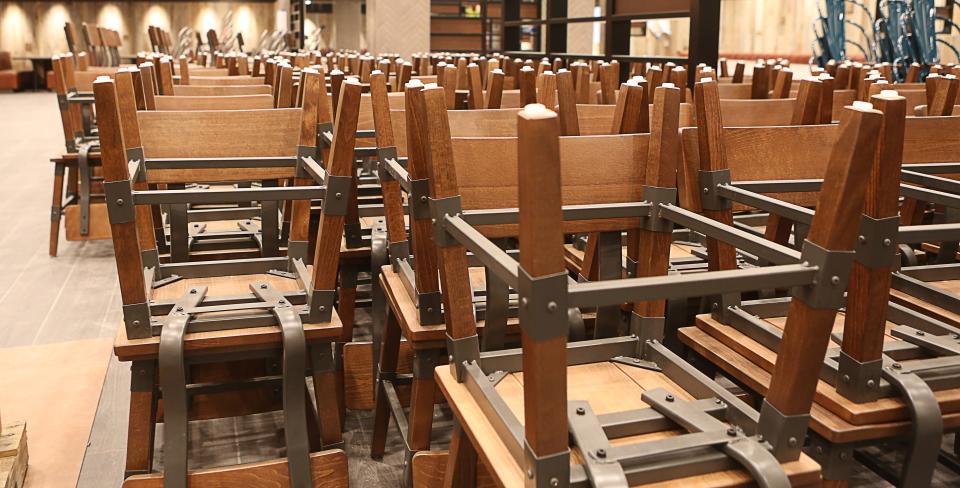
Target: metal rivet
[[120, 202], [706, 190], [530, 473], [323, 308], [871, 383], [601, 453], [423, 199], [846, 378], [731, 431], [718, 401], [339, 195], [920, 333], [281, 301], [887, 242], [523, 301], [862, 239], [429, 309], [263, 286], [636, 360], [759, 437], [669, 398], [835, 280], [193, 291], [897, 365], [179, 309], [450, 358], [136, 322], [819, 449], [554, 482], [843, 455], [552, 307], [792, 442], [581, 411]]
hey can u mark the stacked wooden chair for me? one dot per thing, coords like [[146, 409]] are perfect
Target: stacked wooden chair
[[885, 382], [203, 336], [484, 389]]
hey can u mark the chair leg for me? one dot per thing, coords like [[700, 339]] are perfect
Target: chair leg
[[420, 419], [142, 421], [461, 469], [389, 353], [325, 391], [55, 209]]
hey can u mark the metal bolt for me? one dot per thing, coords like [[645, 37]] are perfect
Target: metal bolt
[[281, 301], [920, 333], [552, 307], [523, 302], [759, 437], [581, 411], [119, 202], [193, 291], [263, 286], [636, 360], [718, 401], [450, 358], [429, 309], [846, 378], [669, 398], [887, 242], [897, 365], [423, 199], [871, 384], [554, 482], [601, 453], [136, 323], [179, 309], [530, 473], [491, 378], [338, 195], [323, 308], [862, 239], [835, 280], [731, 431], [792, 442], [706, 190], [715, 306]]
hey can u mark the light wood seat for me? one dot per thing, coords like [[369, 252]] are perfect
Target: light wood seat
[[609, 388]]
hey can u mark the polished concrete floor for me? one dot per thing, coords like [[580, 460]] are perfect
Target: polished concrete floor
[[76, 296]]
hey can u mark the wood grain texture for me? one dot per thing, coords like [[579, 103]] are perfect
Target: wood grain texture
[[226, 102], [220, 90], [328, 469], [204, 134]]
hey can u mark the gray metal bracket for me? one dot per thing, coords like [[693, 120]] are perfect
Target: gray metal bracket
[[397, 251], [588, 434], [136, 320], [785, 433], [858, 382], [710, 198], [647, 328], [462, 351], [658, 196], [83, 167], [430, 307], [439, 209], [543, 305], [306, 152], [420, 199], [637, 363], [119, 197], [876, 243], [546, 471], [830, 282], [337, 196], [320, 305], [297, 249], [322, 128]]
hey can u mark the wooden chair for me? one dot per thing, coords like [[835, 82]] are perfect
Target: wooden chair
[[242, 302], [538, 448], [856, 397]]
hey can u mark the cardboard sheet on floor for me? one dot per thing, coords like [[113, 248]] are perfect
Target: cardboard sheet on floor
[[55, 388]]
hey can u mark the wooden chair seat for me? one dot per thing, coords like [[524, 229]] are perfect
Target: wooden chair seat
[[609, 387], [419, 335], [823, 421], [217, 341], [889, 409], [939, 313]]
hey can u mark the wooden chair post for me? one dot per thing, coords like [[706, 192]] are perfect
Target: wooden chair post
[[312, 81], [386, 146], [541, 266], [149, 88], [495, 88], [449, 85], [184, 71], [782, 85], [609, 79], [759, 81], [653, 243], [166, 77], [136, 311], [475, 87], [404, 73], [945, 96], [825, 112], [567, 101], [285, 96], [720, 255], [868, 291], [547, 90], [528, 85], [785, 412], [678, 76], [806, 110]]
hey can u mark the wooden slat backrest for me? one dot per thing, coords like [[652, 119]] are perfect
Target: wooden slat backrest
[[199, 91], [223, 80], [239, 102], [83, 80]]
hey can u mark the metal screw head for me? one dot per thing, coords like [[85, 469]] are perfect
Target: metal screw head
[[554, 482], [601, 453], [792, 442], [423, 199], [193, 291], [530, 473], [871, 384], [887, 242], [706, 190], [759, 437], [523, 302], [843, 455], [862, 239], [581, 411], [179, 309], [136, 323], [552, 307], [846, 378], [263, 286], [281, 301], [323, 308], [429, 309], [669, 398], [339, 195], [920, 333], [835, 280], [450, 358], [636, 360], [731, 431], [119, 202], [718, 401], [897, 365]]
